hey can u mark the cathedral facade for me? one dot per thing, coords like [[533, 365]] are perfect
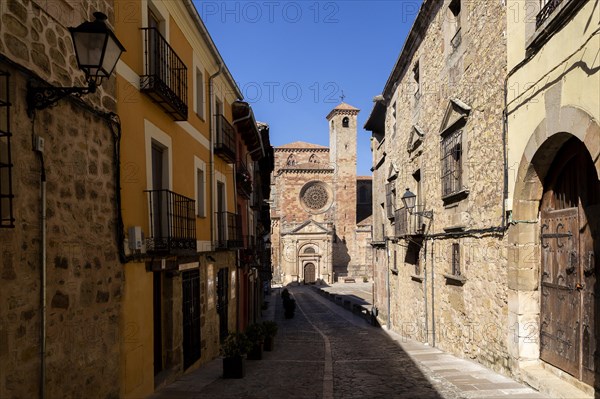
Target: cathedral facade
[[319, 232]]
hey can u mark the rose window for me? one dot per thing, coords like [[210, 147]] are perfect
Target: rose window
[[315, 196]]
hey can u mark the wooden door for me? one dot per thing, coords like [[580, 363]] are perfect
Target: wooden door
[[309, 273], [569, 240]]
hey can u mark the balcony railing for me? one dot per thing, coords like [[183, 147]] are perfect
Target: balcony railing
[[243, 180], [408, 224], [229, 231], [546, 11], [165, 80], [225, 140], [172, 223]]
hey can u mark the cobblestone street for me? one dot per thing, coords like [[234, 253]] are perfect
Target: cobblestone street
[[325, 351]]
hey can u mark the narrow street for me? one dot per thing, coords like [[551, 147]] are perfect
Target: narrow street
[[327, 352]]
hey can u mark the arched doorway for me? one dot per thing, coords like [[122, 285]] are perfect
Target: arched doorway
[[569, 239], [309, 273]]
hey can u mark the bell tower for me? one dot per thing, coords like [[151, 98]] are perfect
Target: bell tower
[[342, 149]]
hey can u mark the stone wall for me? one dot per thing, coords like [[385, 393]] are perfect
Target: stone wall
[[84, 276], [469, 309]]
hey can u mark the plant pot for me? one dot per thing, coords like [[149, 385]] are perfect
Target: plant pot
[[256, 351], [269, 344], [234, 367]]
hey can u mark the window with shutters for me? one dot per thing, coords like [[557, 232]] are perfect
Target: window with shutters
[[390, 199]]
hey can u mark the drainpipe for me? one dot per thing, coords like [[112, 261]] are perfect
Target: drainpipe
[[387, 254], [425, 292], [433, 292], [43, 288], [212, 128]]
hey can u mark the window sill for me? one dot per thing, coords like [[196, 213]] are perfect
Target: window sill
[[455, 279], [417, 278], [456, 196]]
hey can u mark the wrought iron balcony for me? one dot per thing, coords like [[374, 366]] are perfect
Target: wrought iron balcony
[[229, 231], [225, 139], [546, 11], [408, 224], [165, 80], [243, 180], [172, 223]]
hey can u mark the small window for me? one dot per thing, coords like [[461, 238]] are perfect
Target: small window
[[291, 161], [452, 163], [456, 260], [390, 199], [313, 159], [309, 250], [200, 193], [346, 122], [416, 76], [394, 119], [200, 94], [455, 32]]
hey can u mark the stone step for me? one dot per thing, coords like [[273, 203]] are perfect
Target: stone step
[[548, 383]]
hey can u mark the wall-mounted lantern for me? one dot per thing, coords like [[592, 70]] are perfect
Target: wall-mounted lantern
[[97, 50], [409, 200]]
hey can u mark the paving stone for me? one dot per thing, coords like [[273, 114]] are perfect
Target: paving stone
[[326, 351]]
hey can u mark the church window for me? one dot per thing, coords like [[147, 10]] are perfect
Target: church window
[[315, 196], [346, 122], [309, 250], [291, 161], [313, 159]]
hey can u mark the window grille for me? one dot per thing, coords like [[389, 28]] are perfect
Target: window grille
[[451, 163], [6, 195], [456, 259]]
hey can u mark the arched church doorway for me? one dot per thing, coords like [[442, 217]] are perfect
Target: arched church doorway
[[309, 273], [569, 240]]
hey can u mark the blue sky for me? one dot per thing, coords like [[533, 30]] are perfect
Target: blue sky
[[293, 59]]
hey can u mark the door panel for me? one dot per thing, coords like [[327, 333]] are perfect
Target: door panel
[[570, 219], [309, 273], [560, 300], [191, 317]]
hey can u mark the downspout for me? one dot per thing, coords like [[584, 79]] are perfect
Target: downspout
[[43, 271], [211, 128], [44, 283], [387, 254], [433, 292], [425, 292]]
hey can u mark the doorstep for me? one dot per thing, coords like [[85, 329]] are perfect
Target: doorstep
[[554, 382]]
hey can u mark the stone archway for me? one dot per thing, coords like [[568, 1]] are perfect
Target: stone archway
[[525, 249]]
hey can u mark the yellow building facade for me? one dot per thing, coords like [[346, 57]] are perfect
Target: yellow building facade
[[175, 97], [553, 153]]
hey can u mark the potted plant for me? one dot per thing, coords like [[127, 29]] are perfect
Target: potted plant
[[270, 328], [235, 346], [256, 335]]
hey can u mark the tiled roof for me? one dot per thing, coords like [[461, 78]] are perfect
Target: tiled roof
[[344, 109]]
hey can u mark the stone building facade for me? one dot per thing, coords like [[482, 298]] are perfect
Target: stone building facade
[[315, 235], [496, 262], [68, 345], [440, 267]]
